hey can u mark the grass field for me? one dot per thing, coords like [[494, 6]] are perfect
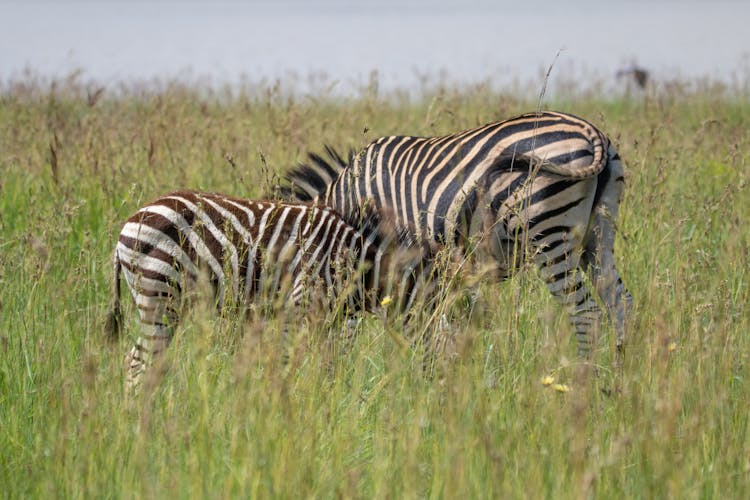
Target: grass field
[[229, 418]]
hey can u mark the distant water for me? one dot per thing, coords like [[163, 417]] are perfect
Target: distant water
[[337, 44]]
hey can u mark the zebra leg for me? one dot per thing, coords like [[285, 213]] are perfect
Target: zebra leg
[[157, 315], [565, 280], [599, 260], [599, 257], [154, 340], [545, 221]]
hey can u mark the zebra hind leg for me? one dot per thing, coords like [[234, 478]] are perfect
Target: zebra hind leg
[[598, 257], [143, 355], [157, 318], [565, 280]]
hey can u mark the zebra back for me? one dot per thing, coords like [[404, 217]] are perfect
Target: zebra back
[[252, 246], [530, 141]]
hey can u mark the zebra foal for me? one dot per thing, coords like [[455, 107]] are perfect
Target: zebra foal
[[249, 248], [542, 186]]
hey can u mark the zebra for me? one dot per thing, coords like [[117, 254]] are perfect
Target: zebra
[[248, 248], [542, 187]]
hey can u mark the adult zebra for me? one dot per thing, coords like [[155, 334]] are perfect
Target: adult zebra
[[545, 186], [253, 249]]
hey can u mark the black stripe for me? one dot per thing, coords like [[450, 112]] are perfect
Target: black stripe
[[573, 289], [556, 260], [549, 231], [465, 214], [500, 197], [559, 276], [535, 221], [569, 157], [548, 247], [548, 192], [528, 144]]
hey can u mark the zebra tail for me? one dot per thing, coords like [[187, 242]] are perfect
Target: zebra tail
[[113, 323], [599, 145]]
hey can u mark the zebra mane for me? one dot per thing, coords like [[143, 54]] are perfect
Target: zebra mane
[[310, 179]]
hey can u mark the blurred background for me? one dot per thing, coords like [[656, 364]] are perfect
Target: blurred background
[[339, 46]]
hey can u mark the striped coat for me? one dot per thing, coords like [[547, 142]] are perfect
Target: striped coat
[[252, 251], [544, 187]]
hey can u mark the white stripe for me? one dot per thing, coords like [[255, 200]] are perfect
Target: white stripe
[[278, 226], [292, 238], [308, 242], [223, 241], [329, 242], [146, 262], [236, 223], [160, 241], [326, 218], [379, 165], [342, 240], [197, 243], [254, 251], [336, 255], [150, 284], [248, 211], [376, 266]]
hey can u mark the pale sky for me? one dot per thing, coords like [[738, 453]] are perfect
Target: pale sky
[[452, 41]]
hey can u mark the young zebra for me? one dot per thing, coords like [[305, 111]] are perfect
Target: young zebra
[[250, 248], [542, 186]]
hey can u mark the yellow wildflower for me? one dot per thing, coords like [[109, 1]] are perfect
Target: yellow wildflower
[[386, 300], [561, 387], [548, 380]]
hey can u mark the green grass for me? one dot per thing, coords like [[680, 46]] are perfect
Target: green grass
[[229, 418]]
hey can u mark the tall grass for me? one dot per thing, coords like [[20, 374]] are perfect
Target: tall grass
[[228, 417]]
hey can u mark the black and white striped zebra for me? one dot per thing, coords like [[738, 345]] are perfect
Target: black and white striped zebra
[[543, 186], [254, 249]]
